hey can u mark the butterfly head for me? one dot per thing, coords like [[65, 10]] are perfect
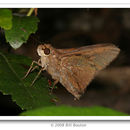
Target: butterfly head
[[43, 50]]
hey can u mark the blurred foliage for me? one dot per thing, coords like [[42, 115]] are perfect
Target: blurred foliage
[[17, 28], [12, 69], [73, 111], [5, 19], [22, 28]]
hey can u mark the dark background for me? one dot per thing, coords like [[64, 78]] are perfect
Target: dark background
[[66, 28]]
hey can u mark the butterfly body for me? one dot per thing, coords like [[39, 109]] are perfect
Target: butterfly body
[[74, 68]]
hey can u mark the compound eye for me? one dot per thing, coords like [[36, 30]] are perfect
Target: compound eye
[[47, 51]]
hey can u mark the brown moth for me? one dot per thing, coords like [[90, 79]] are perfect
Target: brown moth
[[74, 68]]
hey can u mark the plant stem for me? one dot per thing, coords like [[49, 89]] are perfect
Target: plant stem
[[30, 11]]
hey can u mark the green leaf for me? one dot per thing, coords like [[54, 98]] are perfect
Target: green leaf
[[12, 69], [5, 19], [22, 28], [73, 111]]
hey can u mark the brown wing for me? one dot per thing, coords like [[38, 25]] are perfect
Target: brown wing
[[79, 66]]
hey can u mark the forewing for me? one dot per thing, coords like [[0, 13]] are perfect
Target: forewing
[[79, 66]]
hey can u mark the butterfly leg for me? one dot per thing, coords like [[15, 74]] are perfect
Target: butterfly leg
[[35, 67], [31, 66], [55, 82], [37, 75]]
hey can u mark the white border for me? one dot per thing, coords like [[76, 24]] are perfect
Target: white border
[[66, 1], [62, 118], [64, 5]]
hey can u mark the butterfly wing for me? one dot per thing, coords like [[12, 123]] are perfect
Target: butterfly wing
[[79, 66]]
